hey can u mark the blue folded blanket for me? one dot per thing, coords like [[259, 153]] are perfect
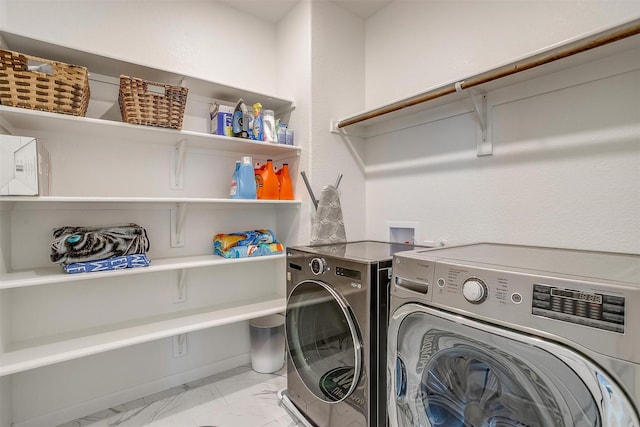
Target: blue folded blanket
[[115, 263]]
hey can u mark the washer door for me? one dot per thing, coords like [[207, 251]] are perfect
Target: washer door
[[323, 341], [455, 372]]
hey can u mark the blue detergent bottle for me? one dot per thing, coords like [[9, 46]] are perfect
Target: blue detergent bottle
[[233, 192], [246, 179]]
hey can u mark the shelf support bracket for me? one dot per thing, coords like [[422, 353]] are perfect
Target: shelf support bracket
[[177, 172], [180, 290], [479, 102], [178, 215], [484, 143]]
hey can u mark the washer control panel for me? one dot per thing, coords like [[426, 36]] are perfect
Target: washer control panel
[[573, 296], [584, 308], [510, 295]]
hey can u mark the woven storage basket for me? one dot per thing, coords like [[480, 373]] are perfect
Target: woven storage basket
[[65, 91], [139, 105]]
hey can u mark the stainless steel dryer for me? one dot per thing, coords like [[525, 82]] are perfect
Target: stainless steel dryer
[[502, 335], [336, 320]]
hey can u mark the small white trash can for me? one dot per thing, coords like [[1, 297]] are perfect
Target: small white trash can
[[267, 343]]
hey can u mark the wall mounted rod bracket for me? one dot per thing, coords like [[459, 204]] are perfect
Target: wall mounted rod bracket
[[178, 215], [334, 128], [177, 171]]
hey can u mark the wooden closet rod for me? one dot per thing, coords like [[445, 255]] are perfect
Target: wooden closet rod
[[603, 38]]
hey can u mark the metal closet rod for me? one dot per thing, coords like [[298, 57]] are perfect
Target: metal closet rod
[[603, 38]]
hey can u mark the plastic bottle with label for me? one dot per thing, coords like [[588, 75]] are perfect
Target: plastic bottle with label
[[269, 180], [233, 192], [257, 128], [246, 179], [258, 177], [269, 126], [286, 188]]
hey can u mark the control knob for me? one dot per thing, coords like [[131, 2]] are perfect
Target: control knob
[[318, 266], [474, 290]]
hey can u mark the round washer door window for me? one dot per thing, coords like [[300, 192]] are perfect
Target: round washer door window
[[450, 373], [323, 341]]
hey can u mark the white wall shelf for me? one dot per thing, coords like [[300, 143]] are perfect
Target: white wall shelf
[[51, 275], [50, 200], [108, 66], [34, 354], [544, 62], [19, 120]]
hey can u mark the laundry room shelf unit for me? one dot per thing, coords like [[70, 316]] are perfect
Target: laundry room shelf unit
[[104, 171]]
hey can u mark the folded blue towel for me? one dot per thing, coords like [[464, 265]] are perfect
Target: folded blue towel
[[115, 263], [247, 244], [253, 250]]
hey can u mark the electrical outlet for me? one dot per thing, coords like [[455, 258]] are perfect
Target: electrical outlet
[[180, 345]]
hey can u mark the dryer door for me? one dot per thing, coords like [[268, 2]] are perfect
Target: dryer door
[[323, 341], [447, 370]]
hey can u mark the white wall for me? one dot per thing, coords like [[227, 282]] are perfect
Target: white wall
[[566, 164], [293, 41], [337, 90], [203, 39], [413, 45], [185, 37]]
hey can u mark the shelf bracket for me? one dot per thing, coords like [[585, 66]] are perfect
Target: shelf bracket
[[484, 143], [177, 171], [178, 215], [479, 101], [180, 290]]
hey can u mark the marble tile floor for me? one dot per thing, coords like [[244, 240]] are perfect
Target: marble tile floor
[[237, 398]]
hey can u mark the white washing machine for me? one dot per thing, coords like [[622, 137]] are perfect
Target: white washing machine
[[493, 335]]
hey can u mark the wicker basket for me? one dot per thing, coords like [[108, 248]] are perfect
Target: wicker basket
[[142, 106], [65, 90]]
